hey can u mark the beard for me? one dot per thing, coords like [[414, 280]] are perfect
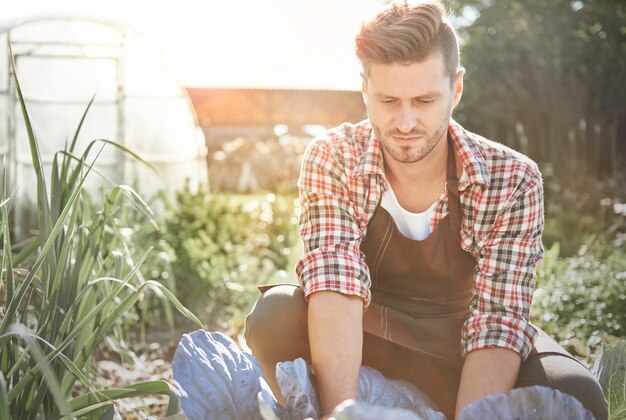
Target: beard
[[412, 153]]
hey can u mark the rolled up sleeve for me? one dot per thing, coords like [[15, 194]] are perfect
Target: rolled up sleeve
[[332, 259], [505, 275]]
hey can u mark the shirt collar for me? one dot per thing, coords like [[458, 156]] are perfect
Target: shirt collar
[[470, 154], [371, 161], [471, 157]]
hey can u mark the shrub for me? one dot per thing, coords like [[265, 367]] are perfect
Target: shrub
[[581, 300], [223, 246]]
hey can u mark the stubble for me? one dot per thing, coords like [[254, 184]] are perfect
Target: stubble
[[415, 152]]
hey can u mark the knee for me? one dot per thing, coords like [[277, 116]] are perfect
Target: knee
[[279, 313], [586, 389], [568, 376]]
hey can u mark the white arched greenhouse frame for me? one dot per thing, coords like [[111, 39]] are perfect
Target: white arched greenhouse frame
[[61, 64]]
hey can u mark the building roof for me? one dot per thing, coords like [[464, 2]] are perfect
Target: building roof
[[262, 107]]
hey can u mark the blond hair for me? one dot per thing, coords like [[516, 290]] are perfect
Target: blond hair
[[405, 34]]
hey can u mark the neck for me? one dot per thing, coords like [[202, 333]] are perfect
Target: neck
[[425, 172]]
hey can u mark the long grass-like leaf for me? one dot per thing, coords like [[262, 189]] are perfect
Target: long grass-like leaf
[[82, 162], [61, 288], [4, 398], [91, 408], [93, 338], [56, 352], [11, 352], [26, 252], [68, 153], [49, 242], [56, 192], [124, 149], [53, 383], [181, 308], [7, 260], [142, 388], [42, 195], [135, 200], [98, 309], [80, 124], [37, 406]]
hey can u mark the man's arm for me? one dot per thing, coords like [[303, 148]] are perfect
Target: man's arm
[[498, 335], [332, 272], [487, 371], [336, 340]]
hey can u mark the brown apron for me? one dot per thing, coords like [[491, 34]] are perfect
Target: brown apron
[[420, 294]]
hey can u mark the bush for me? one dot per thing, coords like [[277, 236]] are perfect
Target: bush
[[223, 246], [581, 300]]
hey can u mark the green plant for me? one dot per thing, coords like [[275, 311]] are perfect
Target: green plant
[[581, 300], [610, 369], [66, 291], [136, 233], [224, 246]]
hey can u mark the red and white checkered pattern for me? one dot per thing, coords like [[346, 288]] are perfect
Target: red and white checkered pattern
[[341, 183]]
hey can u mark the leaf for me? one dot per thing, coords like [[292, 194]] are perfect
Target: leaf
[[610, 370], [170, 296], [53, 383], [82, 162], [42, 195], [124, 149], [135, 200], [4, 398], [80, 124], [47, 245], [142, 388]]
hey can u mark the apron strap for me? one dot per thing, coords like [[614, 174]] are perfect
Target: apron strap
[[452, 187]]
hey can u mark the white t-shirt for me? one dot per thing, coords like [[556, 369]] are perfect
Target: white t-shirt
[[415, 226]]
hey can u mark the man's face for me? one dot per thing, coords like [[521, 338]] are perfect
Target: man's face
[[409, 106]]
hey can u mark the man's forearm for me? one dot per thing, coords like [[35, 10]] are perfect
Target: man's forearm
[[486, 372], [336, 339]]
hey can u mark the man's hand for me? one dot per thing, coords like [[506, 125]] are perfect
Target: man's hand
[[336, 339], [486, 372]]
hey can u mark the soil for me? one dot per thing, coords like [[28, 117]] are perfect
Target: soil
[[147, 362]]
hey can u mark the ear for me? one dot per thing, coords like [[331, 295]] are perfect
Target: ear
[[458, 87], [364, 88]]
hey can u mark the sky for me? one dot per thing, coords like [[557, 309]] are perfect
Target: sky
[[304, 44]]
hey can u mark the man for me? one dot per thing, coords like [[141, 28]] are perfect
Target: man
[[421, 241]]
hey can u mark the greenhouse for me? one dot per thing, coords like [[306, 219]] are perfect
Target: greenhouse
[[61, 64]]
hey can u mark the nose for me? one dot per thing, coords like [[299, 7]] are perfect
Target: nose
[[405, 119]]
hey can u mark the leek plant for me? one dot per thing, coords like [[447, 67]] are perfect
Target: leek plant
[[65, 291]]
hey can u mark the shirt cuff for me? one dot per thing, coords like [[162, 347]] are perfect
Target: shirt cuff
[[353, 289], [340, 274], [488, 330]]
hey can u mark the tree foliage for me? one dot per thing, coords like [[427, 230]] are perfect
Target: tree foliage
[[547, 77]]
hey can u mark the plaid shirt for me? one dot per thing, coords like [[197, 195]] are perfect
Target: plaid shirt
[[341, 183]]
